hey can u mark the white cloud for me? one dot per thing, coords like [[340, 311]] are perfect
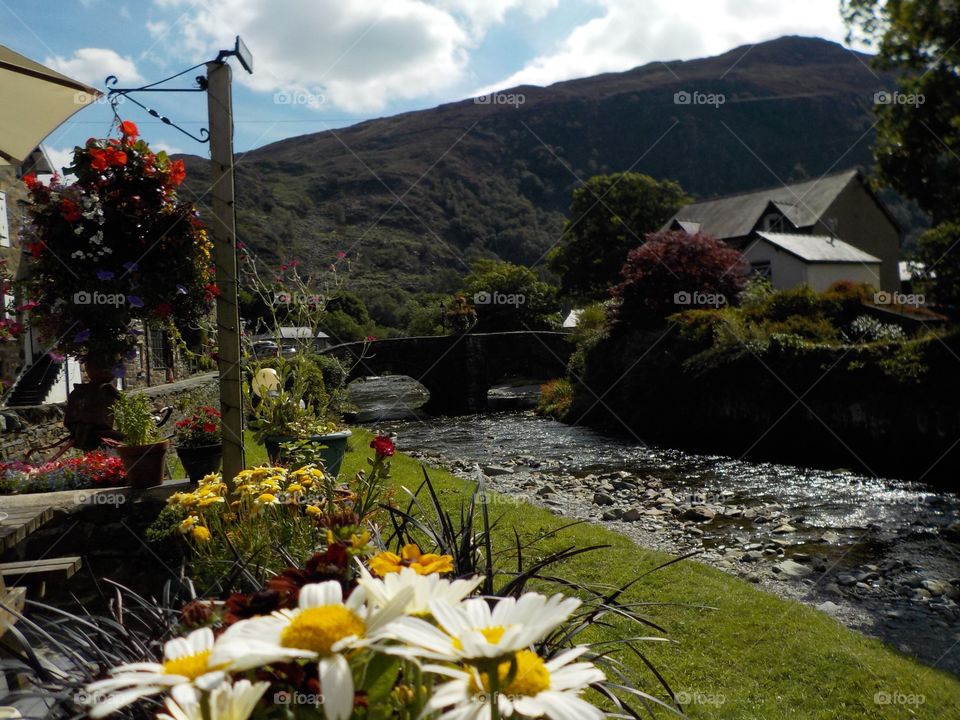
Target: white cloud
[[630, 33], [93, 65], [360, 56], [481, 14]]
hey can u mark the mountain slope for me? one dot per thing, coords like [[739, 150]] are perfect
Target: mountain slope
[[416, 197]]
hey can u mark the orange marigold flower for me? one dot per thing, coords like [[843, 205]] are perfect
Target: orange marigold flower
[[411, 557]]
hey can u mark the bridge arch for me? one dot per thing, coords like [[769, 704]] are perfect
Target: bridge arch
[[458, 370]]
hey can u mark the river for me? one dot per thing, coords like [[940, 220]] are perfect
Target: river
[[880, 555]]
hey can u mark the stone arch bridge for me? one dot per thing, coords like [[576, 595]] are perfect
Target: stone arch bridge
[[458, 370]]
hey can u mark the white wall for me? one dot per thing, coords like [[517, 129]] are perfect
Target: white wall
[[821, 276], [786, 270]]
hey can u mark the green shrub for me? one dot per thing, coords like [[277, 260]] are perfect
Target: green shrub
[[555, 398]]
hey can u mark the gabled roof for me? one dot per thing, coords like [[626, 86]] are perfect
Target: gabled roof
[[803, 204], [818, 248]]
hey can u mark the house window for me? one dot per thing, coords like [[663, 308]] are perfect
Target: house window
[[4, 224], [773, 222], [158, 350], [762, 269]]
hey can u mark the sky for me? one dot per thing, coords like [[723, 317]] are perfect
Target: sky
[[321, 64]]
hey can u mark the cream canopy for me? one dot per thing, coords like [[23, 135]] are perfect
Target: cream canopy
[[34, 101]]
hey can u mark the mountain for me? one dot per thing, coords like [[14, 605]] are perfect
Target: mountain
[[415, 198]]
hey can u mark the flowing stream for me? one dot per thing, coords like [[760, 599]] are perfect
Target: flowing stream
[[880, 555]]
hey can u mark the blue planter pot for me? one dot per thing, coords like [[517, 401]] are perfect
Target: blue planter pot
[[334, 447]]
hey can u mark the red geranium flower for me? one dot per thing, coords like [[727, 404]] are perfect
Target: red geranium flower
[[98, 159], [70, 211], [129, 130], [177, 172], [383, 446]]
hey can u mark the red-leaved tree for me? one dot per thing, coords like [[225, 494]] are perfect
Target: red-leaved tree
[[675, 271]]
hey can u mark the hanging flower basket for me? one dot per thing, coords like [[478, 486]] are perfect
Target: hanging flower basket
[[115, 247]]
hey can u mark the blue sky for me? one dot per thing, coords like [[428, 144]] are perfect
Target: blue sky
[[323, 64]]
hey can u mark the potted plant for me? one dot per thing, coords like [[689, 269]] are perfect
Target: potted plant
[[142, 451], [285, 409], [198, 442]]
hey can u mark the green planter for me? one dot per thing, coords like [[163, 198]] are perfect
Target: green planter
[[331, 453]]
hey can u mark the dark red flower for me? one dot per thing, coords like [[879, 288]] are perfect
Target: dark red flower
[[70, 211], [383, 446]]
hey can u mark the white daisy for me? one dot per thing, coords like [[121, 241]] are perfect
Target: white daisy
[[472, 631], [227, 702], [538, 689], [186, 661], [322, 627], [425, 589]]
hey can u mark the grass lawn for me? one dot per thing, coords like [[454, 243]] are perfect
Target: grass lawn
[[754, 657]]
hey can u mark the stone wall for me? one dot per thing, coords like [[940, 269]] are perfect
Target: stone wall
[[25, 427]]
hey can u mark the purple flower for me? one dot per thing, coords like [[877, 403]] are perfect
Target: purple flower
[[130, 355], [119, 370], [56, 357], [181, 289], [134, 301], [134, 331], [81, 337], [104, 275]]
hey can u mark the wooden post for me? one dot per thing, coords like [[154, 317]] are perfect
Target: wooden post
[[220, 111]]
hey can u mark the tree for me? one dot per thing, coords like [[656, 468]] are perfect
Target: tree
[[674, 271], [918, 130], [935, 248], [510, 297], [609, 216]]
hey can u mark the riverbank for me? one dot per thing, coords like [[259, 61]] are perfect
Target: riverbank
[[753, 655], [882, 409]]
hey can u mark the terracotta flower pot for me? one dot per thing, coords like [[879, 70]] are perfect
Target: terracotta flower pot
[[200, 461], [144, 463]]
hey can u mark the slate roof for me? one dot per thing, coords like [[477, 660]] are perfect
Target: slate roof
[[818, 248], [803, 204]]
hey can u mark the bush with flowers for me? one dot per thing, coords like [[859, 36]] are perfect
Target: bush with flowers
[[359, 631], [276, 514], [92, 470], [116, 246]]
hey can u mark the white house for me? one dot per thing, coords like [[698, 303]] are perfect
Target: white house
[[819, 261]]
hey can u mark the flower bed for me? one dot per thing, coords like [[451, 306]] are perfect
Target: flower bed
[[93, 470]]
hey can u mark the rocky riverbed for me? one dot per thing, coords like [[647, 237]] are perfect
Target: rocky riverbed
[[868, 578]]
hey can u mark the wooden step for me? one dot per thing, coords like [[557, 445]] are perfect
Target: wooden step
[[11, 602], [31, 572], [20, 522]]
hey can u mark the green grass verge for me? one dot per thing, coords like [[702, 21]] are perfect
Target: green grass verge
[[754, 657]]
